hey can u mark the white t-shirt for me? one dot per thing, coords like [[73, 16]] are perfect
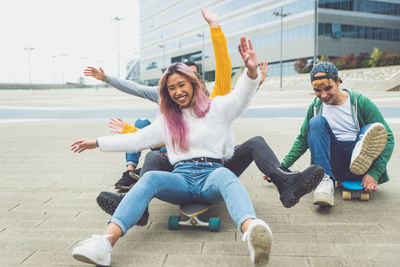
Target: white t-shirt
[[340, 119]]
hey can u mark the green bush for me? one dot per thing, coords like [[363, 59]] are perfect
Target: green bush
[[376, 58], [390, 60], [340, 65]]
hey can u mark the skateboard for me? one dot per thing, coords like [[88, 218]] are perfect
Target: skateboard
[[353, 189], [191, 211]]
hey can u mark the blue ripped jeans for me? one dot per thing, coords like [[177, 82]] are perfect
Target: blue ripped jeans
[[332, 155], [132, 158], [189, 182]]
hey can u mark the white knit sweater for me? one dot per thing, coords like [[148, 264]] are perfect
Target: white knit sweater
[[210, 136]]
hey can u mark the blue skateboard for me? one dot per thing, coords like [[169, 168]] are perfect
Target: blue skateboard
[[191, 211], [353, 189]]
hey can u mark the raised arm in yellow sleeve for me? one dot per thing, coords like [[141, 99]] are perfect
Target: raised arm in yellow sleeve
[[223, 65], [129, 129]]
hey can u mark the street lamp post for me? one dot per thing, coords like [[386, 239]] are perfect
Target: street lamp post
[[202, 52], [315, 32], [63, 55], [29, 49], [118, 19], [282, 15]]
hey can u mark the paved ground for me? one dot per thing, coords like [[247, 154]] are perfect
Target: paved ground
[[47, 194]]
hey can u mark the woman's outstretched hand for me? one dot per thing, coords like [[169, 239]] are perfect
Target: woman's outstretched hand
[[81, 145], [117, 125], [249, 57]]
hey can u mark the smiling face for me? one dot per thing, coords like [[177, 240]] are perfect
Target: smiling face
[[327, 90], [180, 90]]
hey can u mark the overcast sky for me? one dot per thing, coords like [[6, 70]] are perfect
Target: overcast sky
[[82, 29]]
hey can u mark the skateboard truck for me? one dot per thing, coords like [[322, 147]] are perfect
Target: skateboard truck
[[192, 211]]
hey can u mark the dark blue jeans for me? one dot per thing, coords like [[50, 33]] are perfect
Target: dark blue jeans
[[332, 155]]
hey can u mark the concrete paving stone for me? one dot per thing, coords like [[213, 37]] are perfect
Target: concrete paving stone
[[222, 248], [379, 261], [326, 261], [390, 227], [6, 223], [38, 214], [63, 258], [10, 257], [368, 250], [134, 259], [126, 246], [35, 243], [44, 233], [330, 228], [279, 261], [349, 218], [184, 236], [97, 223], [392, 238], [206, 260], [303, 249], [295, 237], [339, 238]]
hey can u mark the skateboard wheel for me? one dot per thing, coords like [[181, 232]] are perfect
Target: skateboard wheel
[[173, 222], [364, 196], [346, 195], [214, 224]]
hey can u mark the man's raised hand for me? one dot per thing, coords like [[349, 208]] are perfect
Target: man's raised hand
[[249, 57], [263, 69], [95, 73]]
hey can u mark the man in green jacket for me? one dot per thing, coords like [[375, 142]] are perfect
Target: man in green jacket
[[346, 134]]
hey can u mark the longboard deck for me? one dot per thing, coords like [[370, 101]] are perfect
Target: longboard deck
[[194, 209], [352, 185]]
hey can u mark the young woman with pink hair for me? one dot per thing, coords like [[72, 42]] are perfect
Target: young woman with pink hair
[[198, 135]]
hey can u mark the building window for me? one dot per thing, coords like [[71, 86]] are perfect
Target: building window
[[368, 6], [336, 30], [358, 32]]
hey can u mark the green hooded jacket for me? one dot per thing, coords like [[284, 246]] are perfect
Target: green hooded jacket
[[364, 112]]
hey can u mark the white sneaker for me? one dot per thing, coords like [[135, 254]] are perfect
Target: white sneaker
[[95, 250], [323, 194], [370, 143], [259, 241]]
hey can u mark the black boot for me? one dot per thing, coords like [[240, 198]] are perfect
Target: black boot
[[109, 202], [293, 185]]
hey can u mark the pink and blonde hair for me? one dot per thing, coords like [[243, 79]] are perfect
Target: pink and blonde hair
[[172, 112]]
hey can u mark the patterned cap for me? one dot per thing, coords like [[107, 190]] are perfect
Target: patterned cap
[[326, 67]]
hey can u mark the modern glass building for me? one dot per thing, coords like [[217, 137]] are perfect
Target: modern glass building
[[172, 31]]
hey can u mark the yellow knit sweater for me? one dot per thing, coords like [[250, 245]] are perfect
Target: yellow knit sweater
[[223, 69]]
